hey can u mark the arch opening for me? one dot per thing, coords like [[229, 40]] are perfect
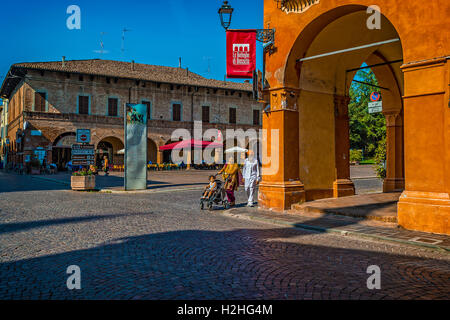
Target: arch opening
[[152, 152], [336, 48], [62, 149], [112, 148]]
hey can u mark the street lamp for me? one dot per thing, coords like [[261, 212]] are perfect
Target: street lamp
[[266, 36], [225, 13]]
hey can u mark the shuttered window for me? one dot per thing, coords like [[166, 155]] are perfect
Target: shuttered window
[[232, 115], [205, 113], [83, 104], [149, 109], [39, 101], [176, 112], [113, 107], [256, 117]]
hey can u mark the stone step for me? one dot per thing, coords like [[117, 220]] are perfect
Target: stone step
[[380, 207]]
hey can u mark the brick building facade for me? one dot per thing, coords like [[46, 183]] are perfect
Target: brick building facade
[[48, 101]]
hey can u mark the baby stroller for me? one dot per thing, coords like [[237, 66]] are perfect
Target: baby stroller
[[217, 197]]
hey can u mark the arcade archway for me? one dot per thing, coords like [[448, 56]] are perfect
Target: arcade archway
[[322, 98], [110, 147], [62, 149], [152, 151], [309, 75]]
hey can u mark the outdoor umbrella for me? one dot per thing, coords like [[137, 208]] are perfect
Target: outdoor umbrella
[[188, 144], [236, 149]]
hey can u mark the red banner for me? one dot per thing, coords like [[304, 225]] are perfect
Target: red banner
[[241, 53]]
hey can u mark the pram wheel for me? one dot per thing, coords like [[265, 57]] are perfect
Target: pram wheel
[[226, 205], [210, 206], [202, 206]]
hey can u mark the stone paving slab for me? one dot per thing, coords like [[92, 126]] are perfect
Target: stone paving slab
[[345, 225]]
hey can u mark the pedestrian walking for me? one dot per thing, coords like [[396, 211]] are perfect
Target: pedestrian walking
[[230, 174], [252, 176], [106, 165]]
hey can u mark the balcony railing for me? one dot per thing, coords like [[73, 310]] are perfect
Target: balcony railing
[[297, 6]]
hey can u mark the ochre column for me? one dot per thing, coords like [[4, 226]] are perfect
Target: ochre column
[[394, 181], [425, 203], [342, 186], [281, 186]]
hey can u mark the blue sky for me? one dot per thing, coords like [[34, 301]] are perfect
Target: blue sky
[[162, 31]]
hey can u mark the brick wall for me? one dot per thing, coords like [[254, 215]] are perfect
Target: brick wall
[[63, 90], [61, 115]]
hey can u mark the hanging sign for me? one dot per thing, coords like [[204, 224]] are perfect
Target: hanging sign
[[375, 96], [241, 53], [375, 107], [83, 135]]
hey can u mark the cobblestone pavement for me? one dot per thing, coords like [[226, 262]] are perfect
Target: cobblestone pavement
[[161, 246]]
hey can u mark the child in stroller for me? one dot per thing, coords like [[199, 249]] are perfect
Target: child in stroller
[[214, 193]]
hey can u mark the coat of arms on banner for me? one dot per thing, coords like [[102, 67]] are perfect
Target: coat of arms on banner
[[241, 53]]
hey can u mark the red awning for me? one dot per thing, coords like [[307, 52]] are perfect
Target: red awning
[[189, 144]]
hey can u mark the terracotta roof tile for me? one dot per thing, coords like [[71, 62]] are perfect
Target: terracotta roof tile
[[120, 69]]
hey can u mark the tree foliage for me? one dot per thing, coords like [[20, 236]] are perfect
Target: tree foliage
[[367, 130]]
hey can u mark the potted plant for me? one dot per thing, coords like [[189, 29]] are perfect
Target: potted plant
[[82, 180]]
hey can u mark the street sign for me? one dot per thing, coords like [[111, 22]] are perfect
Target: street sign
[[375, 107], [83, 154], [375, 96], [36, 132], [83, 135]]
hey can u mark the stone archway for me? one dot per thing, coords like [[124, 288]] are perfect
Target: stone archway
[[392, 78], [62, 149], [152, 151], [308, 99], [110, 147], [167, 154]]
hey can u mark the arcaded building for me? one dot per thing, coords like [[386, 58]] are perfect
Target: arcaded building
[[48, 101], [320, 45]]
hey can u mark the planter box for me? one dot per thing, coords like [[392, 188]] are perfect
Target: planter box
[[80, 183]]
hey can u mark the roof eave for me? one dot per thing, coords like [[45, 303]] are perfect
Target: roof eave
[[2, 95], [130, 78]]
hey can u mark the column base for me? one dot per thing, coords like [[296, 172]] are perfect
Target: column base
[[393, 185], [280, 196], [317, 194], [343, 188], [424, 211]]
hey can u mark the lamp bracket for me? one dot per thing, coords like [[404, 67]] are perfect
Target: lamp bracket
[[265, 35]]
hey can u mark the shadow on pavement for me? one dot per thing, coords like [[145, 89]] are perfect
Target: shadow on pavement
[[236, 264], [22, 226]]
